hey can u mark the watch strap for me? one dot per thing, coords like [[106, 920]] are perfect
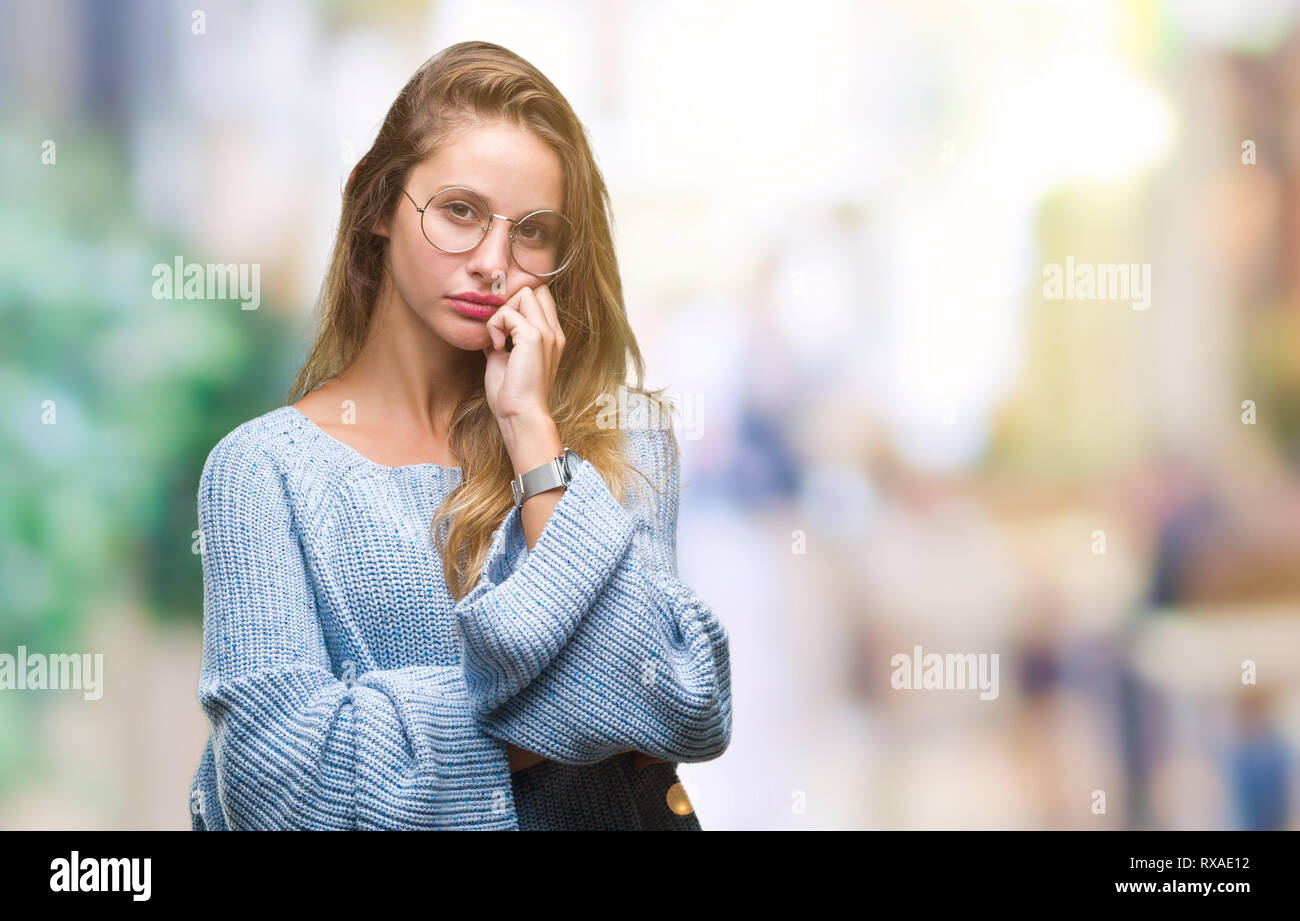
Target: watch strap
[[556, 472]]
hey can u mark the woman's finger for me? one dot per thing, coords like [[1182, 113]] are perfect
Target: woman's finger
[[543, 293], [531, 312], [545, 306], [530, 306], [510, 322]]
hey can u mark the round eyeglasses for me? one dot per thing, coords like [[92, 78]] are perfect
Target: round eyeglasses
[[456, 219]]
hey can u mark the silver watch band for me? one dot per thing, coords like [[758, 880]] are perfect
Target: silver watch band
[[556, 472]]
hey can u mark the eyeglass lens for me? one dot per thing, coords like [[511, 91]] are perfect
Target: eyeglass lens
[[455, 220]]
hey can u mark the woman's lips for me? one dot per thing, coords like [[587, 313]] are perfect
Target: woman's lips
[[470, 309], [477, 297]]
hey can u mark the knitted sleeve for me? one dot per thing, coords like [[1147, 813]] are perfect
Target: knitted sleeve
[[295, 745], [592, 644]]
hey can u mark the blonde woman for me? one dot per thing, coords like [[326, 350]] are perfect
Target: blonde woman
[[440, 587]]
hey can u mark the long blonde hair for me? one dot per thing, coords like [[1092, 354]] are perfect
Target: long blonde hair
[[454, 89]]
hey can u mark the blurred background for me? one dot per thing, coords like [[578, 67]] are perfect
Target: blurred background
[[835, 222]]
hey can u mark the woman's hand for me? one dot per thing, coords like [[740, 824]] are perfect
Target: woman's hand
[[518, 383]]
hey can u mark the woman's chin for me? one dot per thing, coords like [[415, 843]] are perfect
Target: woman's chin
[[457, 331], [468, 340]]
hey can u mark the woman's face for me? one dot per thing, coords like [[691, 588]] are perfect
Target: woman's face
[[516, 174]]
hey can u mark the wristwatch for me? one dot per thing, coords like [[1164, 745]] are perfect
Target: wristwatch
[[558, 471]]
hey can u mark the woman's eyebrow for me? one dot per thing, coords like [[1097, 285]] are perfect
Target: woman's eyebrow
[[487, 198]]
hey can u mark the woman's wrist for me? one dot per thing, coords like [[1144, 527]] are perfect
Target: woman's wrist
[[530, 440]]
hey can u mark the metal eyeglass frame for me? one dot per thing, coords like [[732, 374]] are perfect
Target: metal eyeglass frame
[[491, 217]]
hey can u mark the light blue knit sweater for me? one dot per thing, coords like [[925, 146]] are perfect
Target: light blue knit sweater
[[344, 688]]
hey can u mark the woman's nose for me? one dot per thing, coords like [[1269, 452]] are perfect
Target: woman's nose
[[493, 251]]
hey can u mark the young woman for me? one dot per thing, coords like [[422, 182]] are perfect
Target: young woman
[[440, 587]]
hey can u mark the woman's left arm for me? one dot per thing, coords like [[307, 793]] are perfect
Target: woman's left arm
[[589, 644]]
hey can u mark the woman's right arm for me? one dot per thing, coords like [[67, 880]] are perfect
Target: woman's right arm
[[294, 744]]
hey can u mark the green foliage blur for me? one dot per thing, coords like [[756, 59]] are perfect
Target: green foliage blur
[[99, 508]]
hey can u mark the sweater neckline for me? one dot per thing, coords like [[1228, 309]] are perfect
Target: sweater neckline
[[357, 455]]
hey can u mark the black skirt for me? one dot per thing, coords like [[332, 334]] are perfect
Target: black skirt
[[610, 795]]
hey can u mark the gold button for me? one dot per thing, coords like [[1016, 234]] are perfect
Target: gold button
[[678, 801]]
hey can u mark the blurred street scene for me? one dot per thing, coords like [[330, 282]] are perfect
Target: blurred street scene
[[841, 226]]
